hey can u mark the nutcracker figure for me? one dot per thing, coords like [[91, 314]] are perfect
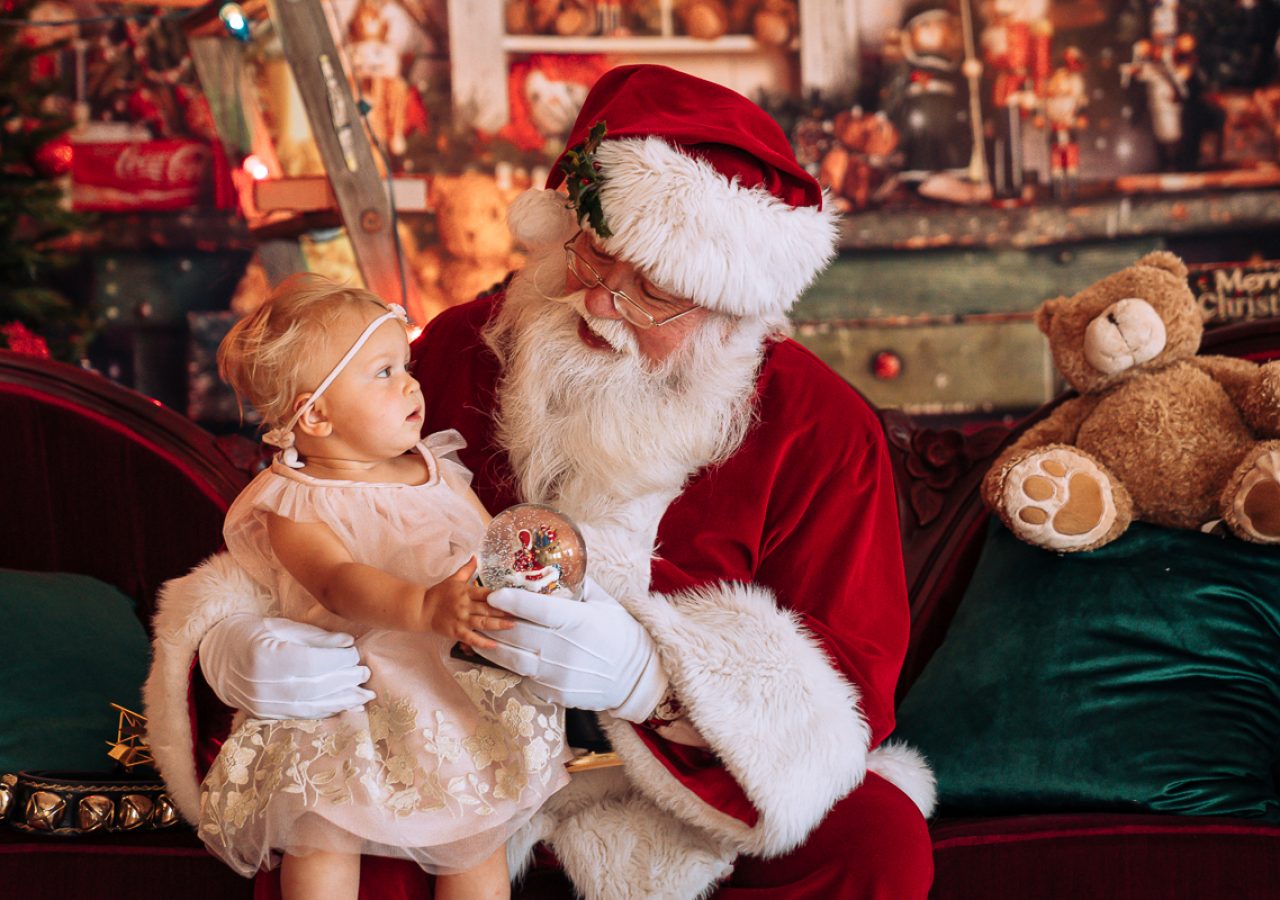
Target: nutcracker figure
[[1015, 49], [1064, 98], [1164, 64], [926, 98]]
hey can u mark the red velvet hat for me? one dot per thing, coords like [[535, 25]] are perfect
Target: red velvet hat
[[698, 187]]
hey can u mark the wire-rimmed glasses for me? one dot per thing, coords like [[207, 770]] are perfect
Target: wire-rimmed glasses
[[630, 309]]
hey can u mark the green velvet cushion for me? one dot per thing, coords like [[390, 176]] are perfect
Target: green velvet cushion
[[1141, 676], [72, 646]]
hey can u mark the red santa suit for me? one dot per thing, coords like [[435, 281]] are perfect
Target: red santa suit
[[777, 600], [771, 584]]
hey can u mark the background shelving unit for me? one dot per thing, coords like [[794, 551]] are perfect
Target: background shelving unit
[[824, 56]]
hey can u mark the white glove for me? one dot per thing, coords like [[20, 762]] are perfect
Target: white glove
[[281, 669], [584, 655]]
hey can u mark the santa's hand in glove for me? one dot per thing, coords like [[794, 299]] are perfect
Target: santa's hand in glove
[[281, 669], [589, 654]]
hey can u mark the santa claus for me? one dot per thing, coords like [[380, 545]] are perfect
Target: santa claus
[[745, 614]]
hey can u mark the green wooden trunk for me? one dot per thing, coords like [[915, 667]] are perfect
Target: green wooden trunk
[[959, 321]]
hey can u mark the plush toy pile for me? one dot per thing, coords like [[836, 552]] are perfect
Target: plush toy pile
[[1157, 433]]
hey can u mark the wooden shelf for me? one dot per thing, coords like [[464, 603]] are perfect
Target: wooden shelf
[[635, 44], [1047, 223], [313, 193], [200, 230]]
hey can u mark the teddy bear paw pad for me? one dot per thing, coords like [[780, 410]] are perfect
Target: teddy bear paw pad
[[1059, 500], [1257, 502]]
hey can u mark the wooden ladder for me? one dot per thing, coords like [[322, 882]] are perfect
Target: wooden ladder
[[361, 190]]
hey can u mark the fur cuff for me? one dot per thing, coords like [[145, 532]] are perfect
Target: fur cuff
[[906, 769], [186, 608], [763, 693], [615, 844]]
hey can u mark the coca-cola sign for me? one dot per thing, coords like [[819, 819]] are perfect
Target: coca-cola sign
[[157, 175]]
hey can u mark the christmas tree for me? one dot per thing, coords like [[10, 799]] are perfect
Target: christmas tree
[[34, 152]]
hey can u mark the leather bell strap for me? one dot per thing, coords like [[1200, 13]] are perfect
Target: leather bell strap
[[73, 803]]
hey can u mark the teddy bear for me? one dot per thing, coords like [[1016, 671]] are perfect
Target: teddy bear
[[1156, 432], [474, 248]]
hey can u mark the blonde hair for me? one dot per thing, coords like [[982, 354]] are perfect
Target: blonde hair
[[265, 356]]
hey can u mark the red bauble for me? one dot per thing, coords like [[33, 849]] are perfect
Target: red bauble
[[886, 365], [53, 158]]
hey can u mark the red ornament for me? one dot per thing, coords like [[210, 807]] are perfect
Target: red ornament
[[53, 158], [21, 339], [886, 365]]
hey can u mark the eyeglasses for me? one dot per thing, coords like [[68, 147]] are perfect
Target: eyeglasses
[[630, 310]]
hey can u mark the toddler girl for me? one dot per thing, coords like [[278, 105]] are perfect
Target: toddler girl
[[362, 526]]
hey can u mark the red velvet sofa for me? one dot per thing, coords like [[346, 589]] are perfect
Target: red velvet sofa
[[101, 481], [83, 455]]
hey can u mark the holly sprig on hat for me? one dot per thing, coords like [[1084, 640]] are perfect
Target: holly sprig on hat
[[583, 180]]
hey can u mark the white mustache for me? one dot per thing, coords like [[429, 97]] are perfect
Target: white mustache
[[612, 331]]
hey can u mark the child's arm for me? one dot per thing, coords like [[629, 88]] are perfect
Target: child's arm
[[312, 553]]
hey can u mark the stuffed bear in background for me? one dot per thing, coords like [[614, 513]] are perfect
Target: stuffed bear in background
[[475, 249], [1156, 433]]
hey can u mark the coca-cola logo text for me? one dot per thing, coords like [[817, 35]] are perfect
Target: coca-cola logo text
[[180, 164]]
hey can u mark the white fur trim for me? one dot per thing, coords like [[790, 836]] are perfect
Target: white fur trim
[[626, 848], [700, 236], [186, 608], [763, 693], [541, 218], [906, 768]]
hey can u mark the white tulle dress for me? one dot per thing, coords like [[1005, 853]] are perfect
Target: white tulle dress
[[451, 757]]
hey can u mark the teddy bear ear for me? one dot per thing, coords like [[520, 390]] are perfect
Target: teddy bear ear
[[1044, 315], [1163, 259], [438, 192]]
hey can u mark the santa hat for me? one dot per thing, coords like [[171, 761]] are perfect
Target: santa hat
[[699, 189]]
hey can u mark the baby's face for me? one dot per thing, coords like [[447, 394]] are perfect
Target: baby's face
[[375, 404]]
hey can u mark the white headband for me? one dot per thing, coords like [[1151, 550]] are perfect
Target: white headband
[[282, 437]]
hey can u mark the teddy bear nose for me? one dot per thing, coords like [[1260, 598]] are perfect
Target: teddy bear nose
[[1127, 333]]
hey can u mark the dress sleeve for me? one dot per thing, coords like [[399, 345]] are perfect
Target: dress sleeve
[[444, 446], [245, 529]]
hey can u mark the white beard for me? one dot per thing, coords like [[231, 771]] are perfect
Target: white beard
[[590, 431]]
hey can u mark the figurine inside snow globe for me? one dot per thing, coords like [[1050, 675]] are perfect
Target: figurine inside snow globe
[[535, 547]]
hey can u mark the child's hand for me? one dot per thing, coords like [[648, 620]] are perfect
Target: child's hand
[[456, 608]]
